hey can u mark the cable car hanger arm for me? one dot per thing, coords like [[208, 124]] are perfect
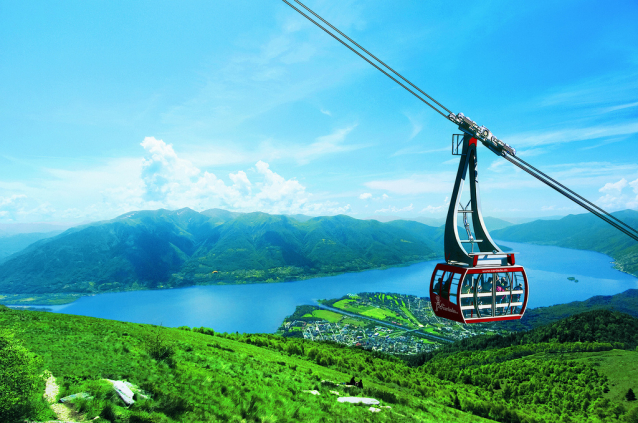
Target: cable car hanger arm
[[468, 126]]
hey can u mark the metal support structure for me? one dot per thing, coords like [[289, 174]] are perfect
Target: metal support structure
[[487, 253]]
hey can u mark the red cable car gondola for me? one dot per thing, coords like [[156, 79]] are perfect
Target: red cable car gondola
[[483, 284], [479, 294]]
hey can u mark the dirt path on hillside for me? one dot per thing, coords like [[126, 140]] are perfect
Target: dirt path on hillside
[[63, 412]]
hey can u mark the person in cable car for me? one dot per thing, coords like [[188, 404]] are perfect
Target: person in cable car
[[445, 289], [499, 284], [516, 298], [467, 288], [437, 286], [487, 285]]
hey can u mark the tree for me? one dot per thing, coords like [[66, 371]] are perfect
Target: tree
[[630, 396], [21, 386]]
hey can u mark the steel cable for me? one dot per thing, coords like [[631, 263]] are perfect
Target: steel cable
[[372, 55], [369, 61]]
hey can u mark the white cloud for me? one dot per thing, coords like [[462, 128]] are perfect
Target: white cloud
[[432, 209], [172, 182], [606, 89], [365, 196], [553, 207], [19, 207], [417, 184], [498, 166], [620, 107], [393, 209], [326, 112], [617, 186], [615, 198], [269, 149], [417, 149], [416, 126], [533, 139], [436, 209], [161, 179]]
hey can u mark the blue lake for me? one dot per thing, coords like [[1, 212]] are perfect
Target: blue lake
[[262, 307]]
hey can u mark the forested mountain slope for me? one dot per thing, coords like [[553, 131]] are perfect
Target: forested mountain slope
[[582, 232], [605, 326], [624, 302], [12, 243], [155, 249]]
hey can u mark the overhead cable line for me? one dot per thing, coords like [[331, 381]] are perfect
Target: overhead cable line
[[370, 61], [372, 55]]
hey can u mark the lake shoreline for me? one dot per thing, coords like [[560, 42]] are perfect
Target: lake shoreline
[[54, 299]]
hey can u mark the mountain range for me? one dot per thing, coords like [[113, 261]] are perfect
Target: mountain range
[[161, 249]]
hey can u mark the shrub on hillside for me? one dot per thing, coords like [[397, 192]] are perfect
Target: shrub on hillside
[[21, 385]]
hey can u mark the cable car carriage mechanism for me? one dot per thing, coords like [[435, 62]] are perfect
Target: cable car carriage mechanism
[[483, 284]]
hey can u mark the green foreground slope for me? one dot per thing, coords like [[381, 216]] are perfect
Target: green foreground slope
[[548, 371], [200, 377]]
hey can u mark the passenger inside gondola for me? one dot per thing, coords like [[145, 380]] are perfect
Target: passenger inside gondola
[[468, 288], [516, 298], [487, 285], [445, 289], [437, 285], [499, 297]]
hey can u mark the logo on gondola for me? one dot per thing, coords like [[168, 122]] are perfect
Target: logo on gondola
[[438, 306]]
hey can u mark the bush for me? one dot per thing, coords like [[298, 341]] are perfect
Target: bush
[[159, 348], [21, 386]]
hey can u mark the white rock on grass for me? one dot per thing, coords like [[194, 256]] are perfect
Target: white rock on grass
[[123, 391], [358, 400], [374, 410], [313, 392]]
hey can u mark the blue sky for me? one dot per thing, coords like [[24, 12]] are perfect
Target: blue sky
[[108, 107]]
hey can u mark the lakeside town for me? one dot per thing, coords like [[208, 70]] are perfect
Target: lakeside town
[[389, 323]]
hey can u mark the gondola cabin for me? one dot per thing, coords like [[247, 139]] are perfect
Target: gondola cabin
[[478, 294]]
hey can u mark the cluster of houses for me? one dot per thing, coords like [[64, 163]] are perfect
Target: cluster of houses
[[378, 338], [391, 338]]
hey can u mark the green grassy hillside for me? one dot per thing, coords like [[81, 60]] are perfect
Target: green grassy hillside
[[582, 232], [161, 249], [581, 366], [614, 328], [198, 375]]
